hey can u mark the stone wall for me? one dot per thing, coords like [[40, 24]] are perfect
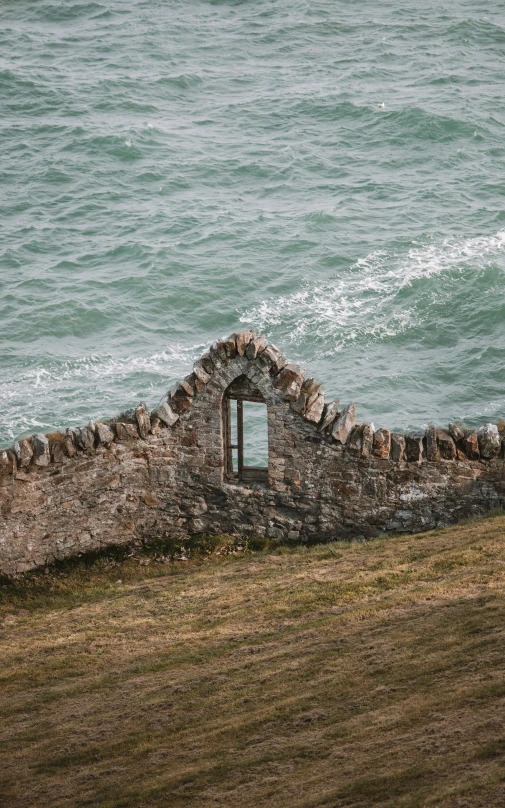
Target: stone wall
[[145, 475]]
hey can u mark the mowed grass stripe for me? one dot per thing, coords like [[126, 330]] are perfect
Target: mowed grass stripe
[[343, 674]]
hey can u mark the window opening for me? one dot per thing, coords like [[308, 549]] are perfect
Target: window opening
[[246, 431], [255, 436], [234, 435]]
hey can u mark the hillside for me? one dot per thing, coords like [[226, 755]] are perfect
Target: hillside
[[339, 675]]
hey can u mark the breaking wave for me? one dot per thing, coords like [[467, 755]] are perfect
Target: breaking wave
[[68, 392], [379, 297]]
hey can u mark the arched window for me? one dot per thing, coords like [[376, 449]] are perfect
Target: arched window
[[245, 432]]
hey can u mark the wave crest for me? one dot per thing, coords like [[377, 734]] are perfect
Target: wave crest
[[377, 297]]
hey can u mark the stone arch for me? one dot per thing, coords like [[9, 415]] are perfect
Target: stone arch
[[258, 370]]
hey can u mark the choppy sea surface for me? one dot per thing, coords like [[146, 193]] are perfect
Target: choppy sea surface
[[331, 173]]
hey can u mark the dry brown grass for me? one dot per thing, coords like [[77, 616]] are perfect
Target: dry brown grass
[[341, 675]]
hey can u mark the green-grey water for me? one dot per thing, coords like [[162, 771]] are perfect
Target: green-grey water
[[330, 173]]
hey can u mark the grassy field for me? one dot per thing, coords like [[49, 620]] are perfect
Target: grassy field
[[339, 675]]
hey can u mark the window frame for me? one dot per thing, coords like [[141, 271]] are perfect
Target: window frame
[[244, 473]]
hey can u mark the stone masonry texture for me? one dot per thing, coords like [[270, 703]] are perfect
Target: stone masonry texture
[[146, 475]]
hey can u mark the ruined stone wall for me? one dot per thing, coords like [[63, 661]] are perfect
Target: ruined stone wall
[[146, 475]]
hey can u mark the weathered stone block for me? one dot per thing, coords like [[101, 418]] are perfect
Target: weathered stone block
[[24, 452], [280, 363], [126, 431], [143, 419], [268, 357], [104, 433], [446, 445], [432, 450], [414, 447], [189, 384], [221, 348], [179, 400], [156, 425], [382, 443], [367, 440], [457, 431], [201, 373], [231, 346], [343, 425], [255, 347], [70, 442], [243, 339], [489, 440], [58, 454], [16, 451], [8, 464], [355, 440], [56, 447], [300, 404], [218, 353], [314, 411], [471, 445], [207, 363], [290, 381], [331, 412], [311, 387], [398, 447], [197, 507], [166, 414], [41, 455], [85, 438]]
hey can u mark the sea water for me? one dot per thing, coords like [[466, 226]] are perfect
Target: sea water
[[330, 173]]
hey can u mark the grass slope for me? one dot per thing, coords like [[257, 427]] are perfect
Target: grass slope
[[340, 675]]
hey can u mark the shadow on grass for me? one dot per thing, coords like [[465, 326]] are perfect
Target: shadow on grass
[[81, 578]]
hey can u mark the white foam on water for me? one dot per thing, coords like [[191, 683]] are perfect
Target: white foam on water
[[427, 260], [364, 301], [90, 381]]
